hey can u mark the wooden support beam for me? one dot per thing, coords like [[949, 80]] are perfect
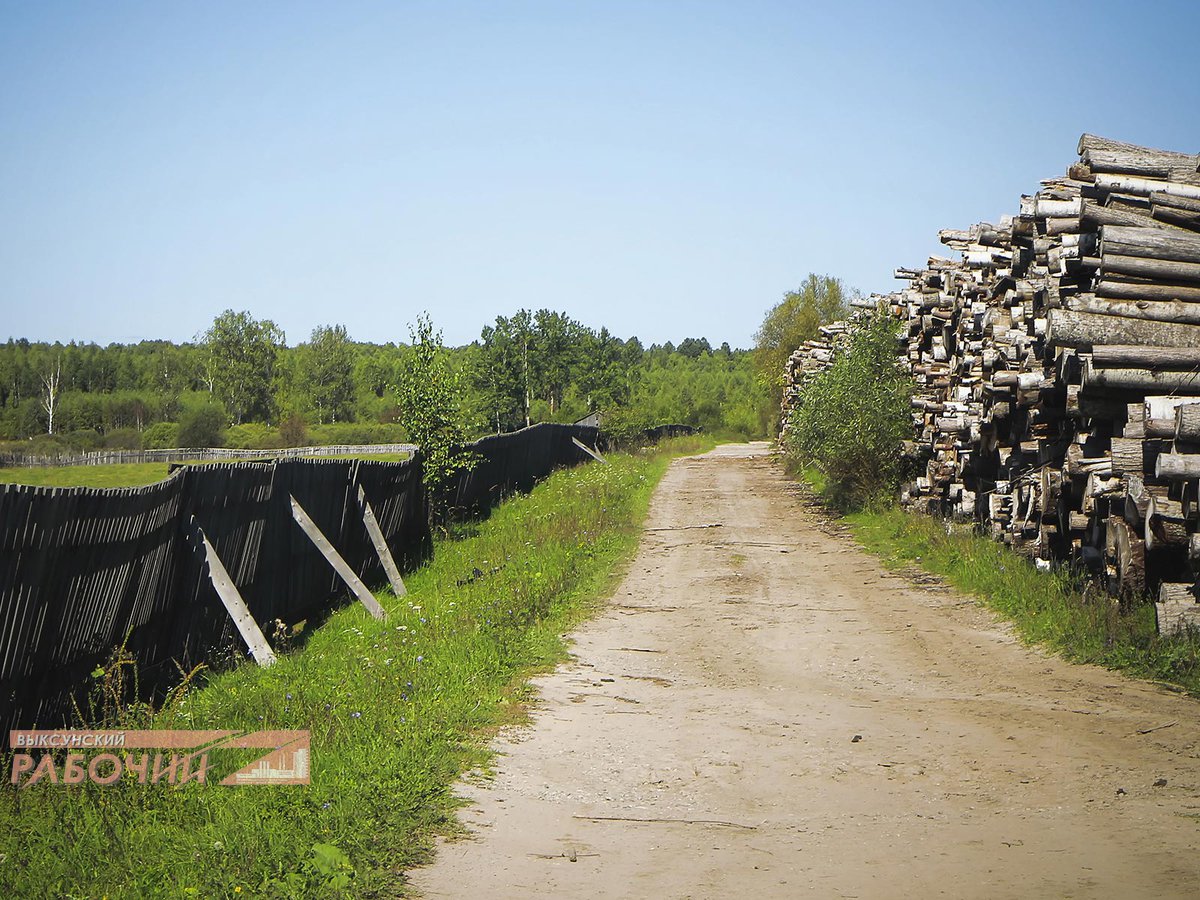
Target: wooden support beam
[[588, 450], [381, 547], [335, 559], [234, 604]]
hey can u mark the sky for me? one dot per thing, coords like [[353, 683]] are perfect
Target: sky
[[665, 169]]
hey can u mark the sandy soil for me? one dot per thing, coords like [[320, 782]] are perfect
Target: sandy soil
[[764, 711]]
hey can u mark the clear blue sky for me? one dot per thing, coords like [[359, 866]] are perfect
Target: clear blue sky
[[666, 169]]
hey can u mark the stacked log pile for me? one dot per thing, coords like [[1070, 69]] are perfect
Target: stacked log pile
[[1057, 361]]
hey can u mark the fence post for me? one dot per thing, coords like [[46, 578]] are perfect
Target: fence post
[[381, 547], [234, 604], [588, 450], [334, 559]]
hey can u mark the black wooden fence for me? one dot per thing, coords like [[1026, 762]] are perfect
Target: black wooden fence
[[515, 462], [84, 570]]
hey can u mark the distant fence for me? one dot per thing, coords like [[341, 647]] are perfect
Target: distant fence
[[185, 454], [515, 461], [83, 570]]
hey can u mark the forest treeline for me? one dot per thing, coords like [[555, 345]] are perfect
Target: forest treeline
[[239, 384]]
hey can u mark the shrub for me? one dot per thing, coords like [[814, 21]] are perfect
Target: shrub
[[293, 432], [853, 416], [123, 439], [160, 436], [201, 426]]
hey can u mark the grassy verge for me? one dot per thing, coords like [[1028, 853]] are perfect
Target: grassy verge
[[118, 475], [397, 710], [1055, 608]]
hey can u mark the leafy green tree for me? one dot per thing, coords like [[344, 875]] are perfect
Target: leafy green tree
[[605, 371], [429, 394], [506, 372], [241, 354], [557, 343], [821, 299], [694, 347], [201, 426], [327, 372]]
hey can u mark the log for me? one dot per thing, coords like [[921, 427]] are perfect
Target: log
[[1171, 215], [1177, 592], [1177, 619], [1181, 203], [1067, 328], [1140, 379], [1112, 356], [1144, 187], [1165, 526], [1088, 142], [1143, 163], [1187, 422], [1154, 243], [1128, 456], [1163, 269], [1147, 310], [1131, 556], [1094, 214], [1141, 290], [1177, 466]]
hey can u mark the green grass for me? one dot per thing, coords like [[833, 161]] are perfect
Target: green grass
[[397, 710], [118, 475], [1056, 609]]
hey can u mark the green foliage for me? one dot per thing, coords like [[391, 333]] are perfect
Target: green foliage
[[201, 426], [123, 439], [357, 433], [716, 392], [821, 299], [853, 416], [535, 366], [429, 394], [161, 436], [328, 373], [240, 363]]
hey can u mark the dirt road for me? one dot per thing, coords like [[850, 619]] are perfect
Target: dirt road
[[763, 711]]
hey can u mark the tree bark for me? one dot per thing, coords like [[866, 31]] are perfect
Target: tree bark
[[1187, 422], [1080, 329], [1147, 310], [1177, 466], [1160, 269]]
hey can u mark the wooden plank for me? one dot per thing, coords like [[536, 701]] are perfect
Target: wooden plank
[[309, 527], [235, 605], [381, 547], [588, 450]]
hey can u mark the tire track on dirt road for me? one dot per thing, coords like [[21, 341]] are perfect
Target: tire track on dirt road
[[702, 742]]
